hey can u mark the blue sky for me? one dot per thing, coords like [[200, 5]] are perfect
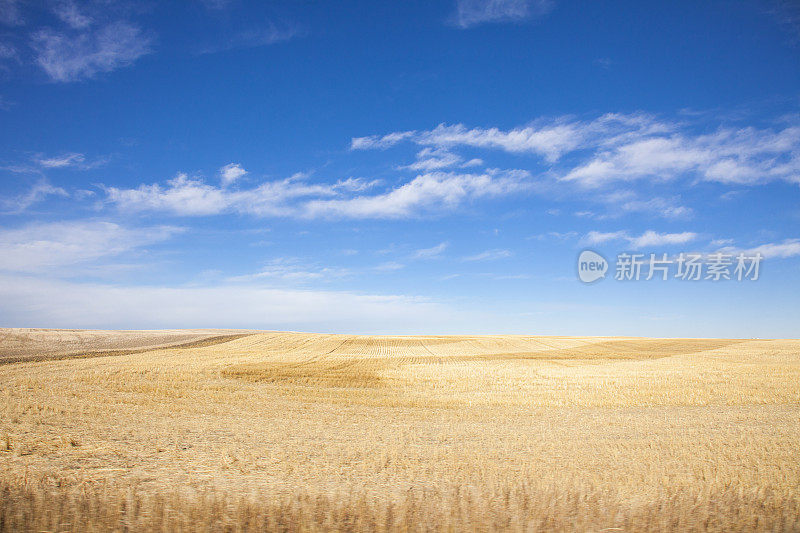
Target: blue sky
[[408, 167]]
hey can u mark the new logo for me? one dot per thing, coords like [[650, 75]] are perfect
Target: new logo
[[591, 266]]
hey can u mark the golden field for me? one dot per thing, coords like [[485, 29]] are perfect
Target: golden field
[[238, 430]]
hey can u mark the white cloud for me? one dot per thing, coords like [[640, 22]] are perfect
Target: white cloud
[[432, 193], [290, 270], [626, 201], [599, 237], [646, 239], [62, 161], [71, 15], [191, 197], [7, 51], [70, 160], [42, 247], [181, 196], [471, 13], [558, 235], [295, 197], [230, 173], [625, 147], [379, 142], [187, 196], [721, 242], [357, 184], [254, 37], [434, 251], [40, 190], [745, 157], [772, 250], [652, 238], [787, 248], [65, 160], [389, 266], [72, 56], [549, 141], [490, 255], [663, 207], [438, 158], [784, 249], [548, 138], [434, 159]]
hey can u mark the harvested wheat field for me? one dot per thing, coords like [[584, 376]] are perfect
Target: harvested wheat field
[[235, 430]]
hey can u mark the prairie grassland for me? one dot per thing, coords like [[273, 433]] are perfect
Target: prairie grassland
[[290, 431]]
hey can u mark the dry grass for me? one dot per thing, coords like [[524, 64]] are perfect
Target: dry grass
[[31, 344], [284, 431]]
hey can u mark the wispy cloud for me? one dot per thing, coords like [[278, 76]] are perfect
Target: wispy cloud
[[294, 197], [600, 237], [293, 271], [652, 238], [65, 160], [389, 266], [743, 157], [490, 255], [431, 192], [469, 13], [721, 242], [37, 193], [787, 13], [188, 196], [83, 39], [624, 148], [380, 142], [433, 251], [70, 14], [787, 248], [771, 250], [646, 239], [69, 160], [434, 159], [622, 202], [549, 139], [443, 136], [254, 37], [557, 235], [46, 247], [75, 54], [7, 51]]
